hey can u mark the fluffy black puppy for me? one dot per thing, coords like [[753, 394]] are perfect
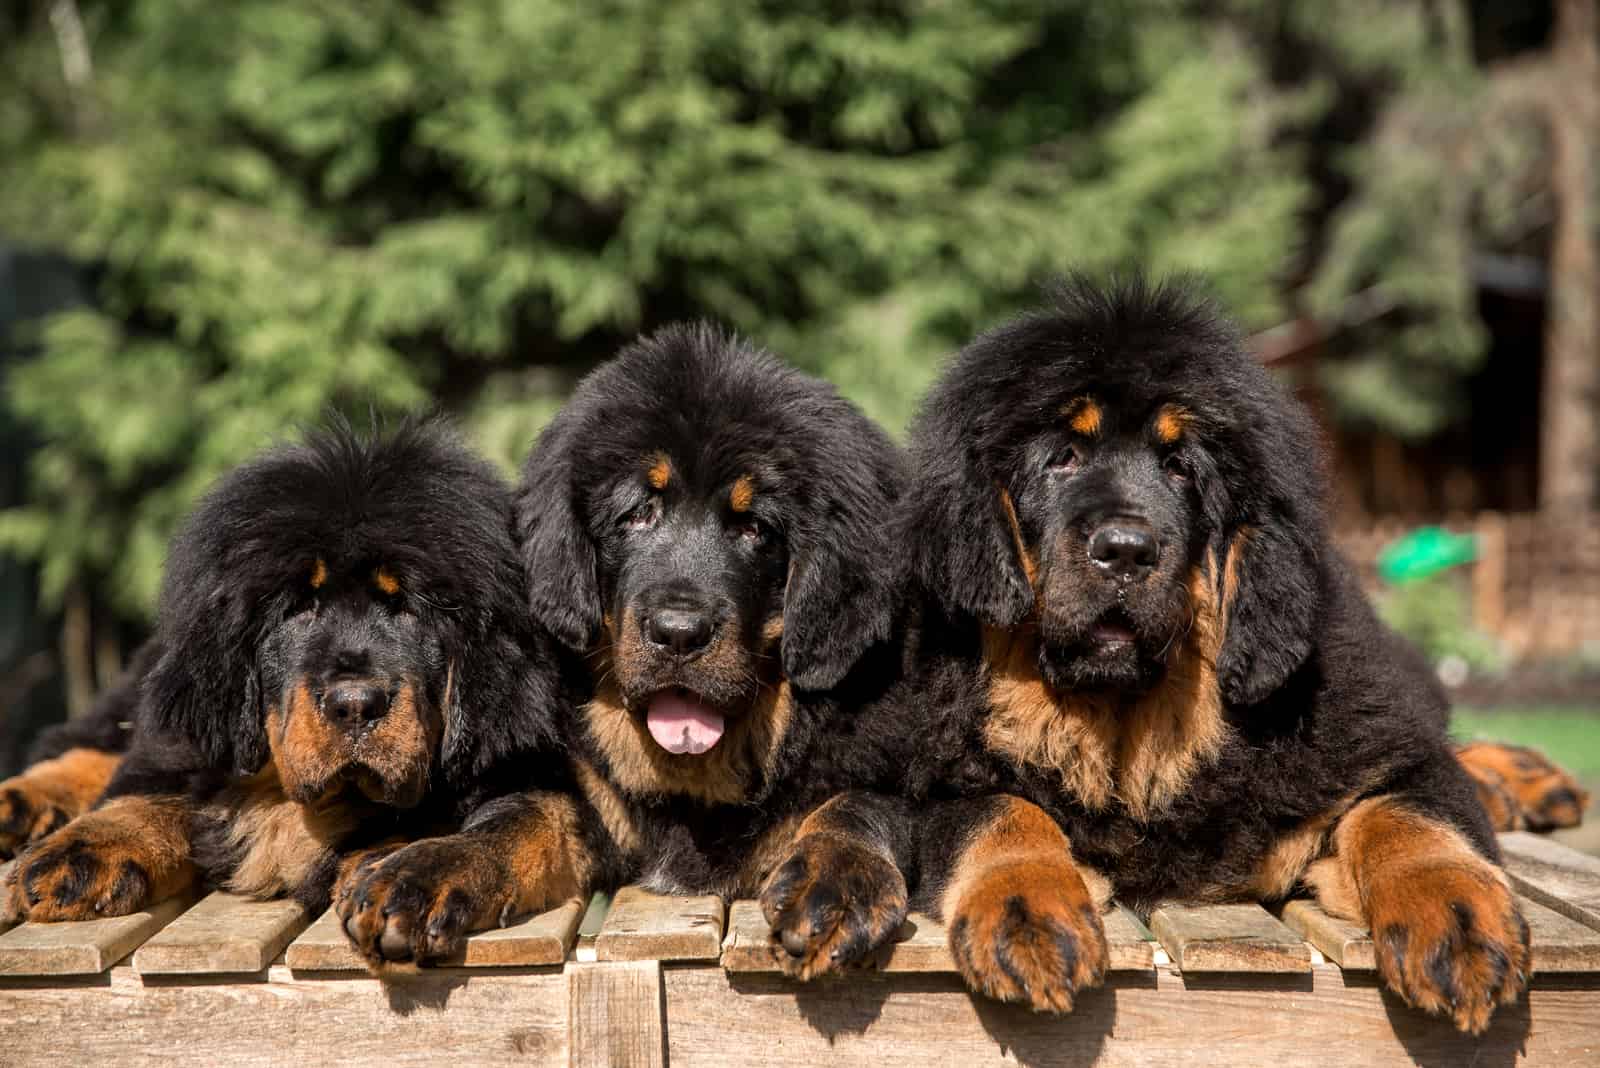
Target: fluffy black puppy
[[342, 637], [1147, 631], [708, 532]]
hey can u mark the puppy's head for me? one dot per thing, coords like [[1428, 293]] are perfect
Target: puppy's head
[[346, 610], [1107, 470], [709, 525]]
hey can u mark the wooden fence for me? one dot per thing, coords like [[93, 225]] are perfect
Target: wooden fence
[[1535, 585]]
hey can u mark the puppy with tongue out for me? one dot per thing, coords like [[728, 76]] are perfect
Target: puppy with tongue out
[[682, 723]]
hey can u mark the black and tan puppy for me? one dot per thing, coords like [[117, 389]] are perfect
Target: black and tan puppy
[[1119, 515], [342, 635], [709, 534]]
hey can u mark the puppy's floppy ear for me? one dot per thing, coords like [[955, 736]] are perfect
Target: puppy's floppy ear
[[845, 571], [204, 687], [1271, 596], [839, 601], [504, 695], [557, 553], [961, 535]]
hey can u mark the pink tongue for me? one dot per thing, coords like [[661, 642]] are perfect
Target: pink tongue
[[681, 724]]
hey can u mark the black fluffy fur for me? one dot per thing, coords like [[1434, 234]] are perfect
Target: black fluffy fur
[[417, 501], [1321, 701], [813, 544], [721, 407]]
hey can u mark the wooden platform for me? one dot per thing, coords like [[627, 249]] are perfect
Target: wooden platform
[[650, 980]]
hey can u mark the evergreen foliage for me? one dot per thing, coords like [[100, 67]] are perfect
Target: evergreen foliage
[[287, 205]]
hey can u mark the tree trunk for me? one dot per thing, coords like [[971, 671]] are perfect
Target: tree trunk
[[1569, 449], [76, 656]]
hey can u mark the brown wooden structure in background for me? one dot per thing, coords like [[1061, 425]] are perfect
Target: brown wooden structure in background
[[1535, 585]]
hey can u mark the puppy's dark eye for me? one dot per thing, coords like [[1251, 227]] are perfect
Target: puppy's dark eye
[[1067, 461], [644, 516], [1177, 468], [750, 531]]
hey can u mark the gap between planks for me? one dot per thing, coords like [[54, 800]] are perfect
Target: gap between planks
[[1553, 875]]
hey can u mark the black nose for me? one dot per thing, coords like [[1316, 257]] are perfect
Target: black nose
[[683, 630], [1125, 551], [351, 705]]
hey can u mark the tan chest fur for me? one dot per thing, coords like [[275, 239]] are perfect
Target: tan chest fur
[[1140, 753], [277, 840]]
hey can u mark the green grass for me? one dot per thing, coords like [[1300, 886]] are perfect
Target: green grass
[[1569, 736]]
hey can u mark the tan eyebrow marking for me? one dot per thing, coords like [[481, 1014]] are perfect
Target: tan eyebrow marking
[[385, 581], [319, 574], [743, 492], [1171, 422], [660, 472], [1083, 415]]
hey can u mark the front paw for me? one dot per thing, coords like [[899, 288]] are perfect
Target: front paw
[[1029, 931], [1450, 940], [834, 900], [27, 815], [419, 902], [78, 873]]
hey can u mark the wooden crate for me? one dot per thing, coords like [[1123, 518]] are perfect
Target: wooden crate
[[653, 980]]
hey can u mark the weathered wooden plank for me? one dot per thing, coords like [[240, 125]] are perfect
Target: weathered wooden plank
[[1553, 875], [451, 1015], [646, 926], [324, 947], [85, 947], [719, 1018], [1130, 944], [922, 946], [1346, 944], [541, 939], [615, 1014], [544, 938], [1560, 943], [224, 933], [1228, 938]]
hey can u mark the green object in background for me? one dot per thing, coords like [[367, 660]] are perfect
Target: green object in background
[[1425, 551]]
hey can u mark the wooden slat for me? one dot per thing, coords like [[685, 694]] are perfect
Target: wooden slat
[[541, 939], [1228, 938], [324, 947], [1132, 947], [1346, 944], [1560, 944], [223, 933], [615, 1014], [646, 926], [447, 1016], [1553, 875], [1316, 1020], [85, 947], [923, 944]]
